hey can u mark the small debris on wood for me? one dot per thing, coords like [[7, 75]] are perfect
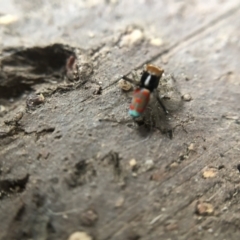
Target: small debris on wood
[[89, 218], [147, 166], [97, 90], [225, 208], [72, 68], [131, 38], [204, 208], [210, 230], [133, 164], [14, 121], [173, 165], [172, 227], [43, 154], [134, 174], [156, 41], [3, 110], [70, 62], [80, 236], [119, 202], [79, 67], [230, 116], [191, 147], [85, 66], [185, 77], [91, 34], [187, 97], [165, 59], [34, 100], [209, 173], [8, 19], [182, 157], [124, 85]]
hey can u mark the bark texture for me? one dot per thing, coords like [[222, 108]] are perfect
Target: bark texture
[[71, 160]]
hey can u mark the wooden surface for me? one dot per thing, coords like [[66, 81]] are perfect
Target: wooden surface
[[63, 170]]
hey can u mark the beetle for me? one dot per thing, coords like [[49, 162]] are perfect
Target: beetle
[[148, 85]]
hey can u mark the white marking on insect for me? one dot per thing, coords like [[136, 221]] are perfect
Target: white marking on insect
[[147, 81]]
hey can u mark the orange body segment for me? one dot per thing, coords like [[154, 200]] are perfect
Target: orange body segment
[[139, 102]]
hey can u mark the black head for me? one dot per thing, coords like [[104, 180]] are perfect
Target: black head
[[150, 77]]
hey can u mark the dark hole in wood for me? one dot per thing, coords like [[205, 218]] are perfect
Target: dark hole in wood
[[8, 186], [221, 167], [238, 167], [39, 62]]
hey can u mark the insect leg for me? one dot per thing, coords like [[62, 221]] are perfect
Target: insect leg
[[160, 101]]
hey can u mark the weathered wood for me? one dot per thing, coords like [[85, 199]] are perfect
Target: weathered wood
[[80, 176]]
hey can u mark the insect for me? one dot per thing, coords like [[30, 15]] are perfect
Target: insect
[[148, 85], [155, 89]]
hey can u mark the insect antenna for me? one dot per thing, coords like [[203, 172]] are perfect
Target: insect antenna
[[133, 81]]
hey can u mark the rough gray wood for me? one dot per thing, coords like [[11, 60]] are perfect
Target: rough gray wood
[[63, 170]]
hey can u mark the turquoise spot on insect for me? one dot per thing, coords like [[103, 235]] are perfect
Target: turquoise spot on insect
[[134, 113], [148, 84]]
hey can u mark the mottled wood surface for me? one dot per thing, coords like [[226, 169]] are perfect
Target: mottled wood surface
[[62, 170]]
